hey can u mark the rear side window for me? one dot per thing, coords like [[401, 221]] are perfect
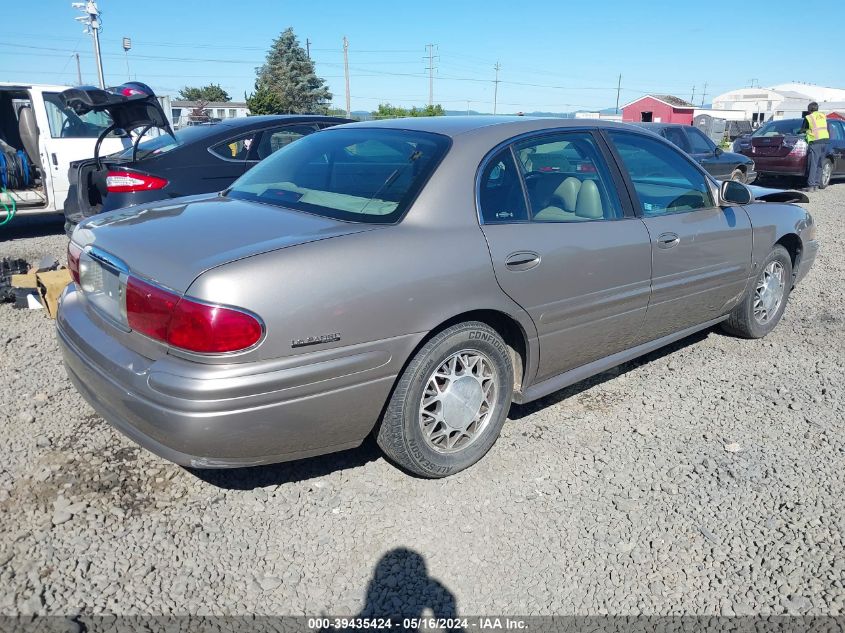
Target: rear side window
[[566, 179], [700, 143], [234, 149], [675, 135], [500, 194], [664, 179], [359, 174]]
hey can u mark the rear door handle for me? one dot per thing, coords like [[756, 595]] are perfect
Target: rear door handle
[[523, 260], [667, 240]]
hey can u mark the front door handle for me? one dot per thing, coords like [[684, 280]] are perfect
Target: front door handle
[[523, 260], [667, 240]]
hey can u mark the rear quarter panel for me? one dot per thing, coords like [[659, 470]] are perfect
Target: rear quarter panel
[[365, 287]]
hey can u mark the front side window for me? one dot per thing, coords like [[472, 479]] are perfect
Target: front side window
[[665, 180], [65, 123], [275, 139], [500, 194], [566, 179], [700, 143], [234, 149], [360, 174]]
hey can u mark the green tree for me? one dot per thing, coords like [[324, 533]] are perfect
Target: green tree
[[387, 111], [289, 75], [264, 100], [211, 92]]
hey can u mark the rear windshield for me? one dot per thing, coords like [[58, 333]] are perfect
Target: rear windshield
[[357, 174], [779, 128], [163, 143]]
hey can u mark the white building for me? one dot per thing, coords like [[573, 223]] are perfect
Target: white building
[[184, 112], [598, 115], [783, 101]]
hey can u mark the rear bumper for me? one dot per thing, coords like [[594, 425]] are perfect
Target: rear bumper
[[781, 166], [225, 416]]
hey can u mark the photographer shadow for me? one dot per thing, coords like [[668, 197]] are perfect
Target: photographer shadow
[[401, 589]]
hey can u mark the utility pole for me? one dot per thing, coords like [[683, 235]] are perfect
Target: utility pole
[[91, 20], [692, 98], [703, 94], [127, 44], [430, 70], [346, 73], [618, 90], [78, 71], [308, 47], [497, 68]]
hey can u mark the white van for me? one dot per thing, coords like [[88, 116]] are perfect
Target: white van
[[39, 138]]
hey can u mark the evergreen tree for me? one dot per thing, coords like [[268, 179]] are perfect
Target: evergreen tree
[[289, 76], [211, 92]]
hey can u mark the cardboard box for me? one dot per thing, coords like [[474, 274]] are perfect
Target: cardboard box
[[50, 287], [24, 281]]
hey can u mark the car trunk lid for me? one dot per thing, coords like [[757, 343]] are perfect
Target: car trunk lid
[[172, 244], [776, 146]]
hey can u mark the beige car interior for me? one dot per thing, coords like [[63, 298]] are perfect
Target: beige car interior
[[572, 201]]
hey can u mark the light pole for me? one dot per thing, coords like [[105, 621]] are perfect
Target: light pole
[[127, 44], [91, 20]]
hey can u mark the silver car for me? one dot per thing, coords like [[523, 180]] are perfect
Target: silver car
[[412, 278]]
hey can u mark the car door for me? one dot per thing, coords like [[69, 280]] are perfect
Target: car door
[[837, 145], [564, 247], [701, 253], [704, 151]]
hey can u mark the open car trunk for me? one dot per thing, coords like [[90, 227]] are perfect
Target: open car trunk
[[131, 106]]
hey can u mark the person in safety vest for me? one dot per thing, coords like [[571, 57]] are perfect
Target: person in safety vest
[[815, 126]]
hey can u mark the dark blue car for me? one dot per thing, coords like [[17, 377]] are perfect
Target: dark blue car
[[198, 159]]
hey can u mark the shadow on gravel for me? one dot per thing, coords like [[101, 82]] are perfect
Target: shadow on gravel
[[33, 226], [401, 588], [287, 472], [519, 411]]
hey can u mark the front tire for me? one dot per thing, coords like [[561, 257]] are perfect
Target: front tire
[[450, 403], [761, 309], [738, 175]]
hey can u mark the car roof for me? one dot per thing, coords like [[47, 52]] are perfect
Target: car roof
[[456, 125], [270, 119]]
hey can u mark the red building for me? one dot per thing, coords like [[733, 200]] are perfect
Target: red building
[[659, 109], [837, 115]]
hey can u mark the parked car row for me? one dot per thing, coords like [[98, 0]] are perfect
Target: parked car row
[[778, 149], [408, 278]]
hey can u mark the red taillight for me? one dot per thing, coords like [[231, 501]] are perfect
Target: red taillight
[[188, 324], [129, 181], [204, 328], [149, 308], [73, 253]]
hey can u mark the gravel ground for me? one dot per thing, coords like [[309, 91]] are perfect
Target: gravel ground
[[703, 479]]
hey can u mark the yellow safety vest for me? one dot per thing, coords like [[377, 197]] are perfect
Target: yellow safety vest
[[818, 127]]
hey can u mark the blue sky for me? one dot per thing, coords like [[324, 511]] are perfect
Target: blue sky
[[554, 56]]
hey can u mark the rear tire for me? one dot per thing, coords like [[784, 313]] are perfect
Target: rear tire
[[761, 309], [827, 172], [450, 403]]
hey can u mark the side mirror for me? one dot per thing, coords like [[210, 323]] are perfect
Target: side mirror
[[733, 192], [719, 151]]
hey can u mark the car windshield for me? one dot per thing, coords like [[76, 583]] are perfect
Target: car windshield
[[164, 143], [779, 128], [356, 174]]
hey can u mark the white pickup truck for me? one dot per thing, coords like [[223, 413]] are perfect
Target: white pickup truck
[[39, 138]]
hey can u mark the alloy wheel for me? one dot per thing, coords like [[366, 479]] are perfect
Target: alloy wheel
[[826, 173], [769, 291], [458, 402]]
